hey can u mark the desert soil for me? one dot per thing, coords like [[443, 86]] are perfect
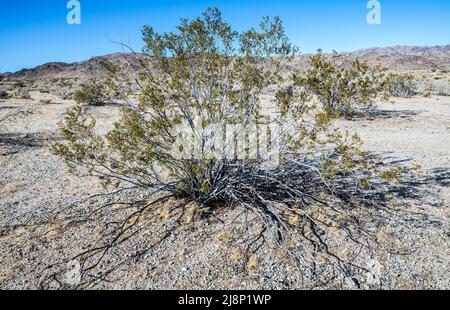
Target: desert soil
[[39, 230]]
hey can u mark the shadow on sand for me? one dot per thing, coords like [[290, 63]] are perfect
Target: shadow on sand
[[11, 143], [384, 114]]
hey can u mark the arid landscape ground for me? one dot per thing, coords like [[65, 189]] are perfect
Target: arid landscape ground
[[42, 206]]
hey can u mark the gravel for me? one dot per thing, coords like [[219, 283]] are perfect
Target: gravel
[[40, 232]]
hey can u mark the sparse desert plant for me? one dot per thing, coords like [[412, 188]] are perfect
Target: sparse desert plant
[[299, 185], [45, 101], [428, 90], [22, 93], [401, 85], [94, 92], [343, 89], [65, 83], [19, 84]]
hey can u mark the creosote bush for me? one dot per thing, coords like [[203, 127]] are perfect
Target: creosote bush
[[343, 89], [96, 92], [202, 82], [92, 93], [401, 85]]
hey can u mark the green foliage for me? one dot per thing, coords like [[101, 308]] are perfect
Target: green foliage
[[94, 92], [343, 88], [401, 85], [205, 71], [392, 174], [205, 76]]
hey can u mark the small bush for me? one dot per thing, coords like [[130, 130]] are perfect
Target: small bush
[[19, 84], [22, 93], [294, 183], [93, 93], [429, 90], [401, 85], [343, 89], [64, 83]]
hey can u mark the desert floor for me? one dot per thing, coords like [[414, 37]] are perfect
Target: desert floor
[[39, 229]]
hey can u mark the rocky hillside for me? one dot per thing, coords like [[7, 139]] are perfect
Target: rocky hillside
[[92, 67], [404, 58], [398, 58]]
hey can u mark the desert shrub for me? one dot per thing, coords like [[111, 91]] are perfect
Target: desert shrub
[[343, 89], [22, 93], [19, 84], [199, 133], [401, 85], [92, 93], [428, 89], [65, 83]]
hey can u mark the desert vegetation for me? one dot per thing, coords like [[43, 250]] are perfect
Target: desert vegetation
[[402, 85], [217, 159], [343, 89], [306, 196], [94, 92]]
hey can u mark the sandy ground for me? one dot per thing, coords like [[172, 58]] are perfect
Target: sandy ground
[[34, 185]]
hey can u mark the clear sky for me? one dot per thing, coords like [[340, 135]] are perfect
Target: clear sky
[[33, 32]]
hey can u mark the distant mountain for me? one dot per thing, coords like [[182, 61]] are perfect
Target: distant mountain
[[92, 67], [403, 58], [404, 50], [399, 58]]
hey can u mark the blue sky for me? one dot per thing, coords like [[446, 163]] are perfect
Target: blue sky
[[33, 32]]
